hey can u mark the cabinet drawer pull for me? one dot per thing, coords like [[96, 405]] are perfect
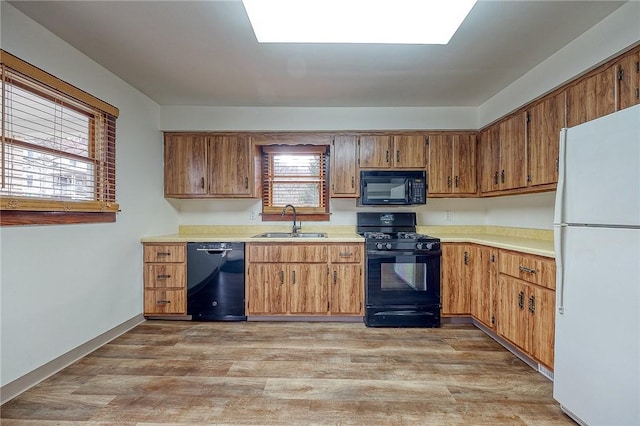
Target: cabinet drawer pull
[[281, 277], [163, 254], [202, 182], [387, 156], [457, 179], [293, 277], [527, 270], [163, 302], [335, 277], [163, 276], [502, 176], [246, 183], [448, 181], [346, 254], [398, 156], [353, 182], [532, 304], [495, 178], [521, 300]]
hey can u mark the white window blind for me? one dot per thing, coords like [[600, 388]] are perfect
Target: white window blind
[[58, 152], [295, 175]]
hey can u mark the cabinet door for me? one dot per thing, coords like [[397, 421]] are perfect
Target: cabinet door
[[512, 321], [185, 165], [346, 289], [513, 150], [482, 285], [375, 152], [344, 173], [456, 289], [542, 324], [490, 159], [440, 164], [229, 166], [308, 288], [410, 152], [545, 121], [464, 164], [591, 97], [628, 69], [266, 289]]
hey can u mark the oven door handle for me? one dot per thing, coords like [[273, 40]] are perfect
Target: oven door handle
[[380, 254]]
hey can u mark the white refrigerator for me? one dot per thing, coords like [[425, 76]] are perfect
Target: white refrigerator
[[597, 246]]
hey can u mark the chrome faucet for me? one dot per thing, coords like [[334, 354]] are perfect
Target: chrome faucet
[[295, 228]]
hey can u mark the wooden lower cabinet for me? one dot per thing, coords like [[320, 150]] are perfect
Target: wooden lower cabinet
[[526, 307], [165, 279], [509, 292], [305, 279]]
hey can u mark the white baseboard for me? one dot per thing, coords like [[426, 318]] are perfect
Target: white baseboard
[[21, 384]]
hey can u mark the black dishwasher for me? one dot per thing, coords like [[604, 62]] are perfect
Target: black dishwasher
[[215, 281]]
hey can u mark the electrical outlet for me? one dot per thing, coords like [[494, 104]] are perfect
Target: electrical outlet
[[447, 215]]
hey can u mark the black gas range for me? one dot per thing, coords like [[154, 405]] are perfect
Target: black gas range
[[402, 271]]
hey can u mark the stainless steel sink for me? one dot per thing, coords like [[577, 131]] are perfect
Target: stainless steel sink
[[290, 235]]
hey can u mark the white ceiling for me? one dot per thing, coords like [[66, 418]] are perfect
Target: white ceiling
[[205, 53]]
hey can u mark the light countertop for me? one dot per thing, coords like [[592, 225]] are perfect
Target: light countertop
[[532, 241]]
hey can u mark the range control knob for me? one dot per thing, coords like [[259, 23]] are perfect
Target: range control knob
[[429, 246], [388, 246], [379, 246], [419, 246]]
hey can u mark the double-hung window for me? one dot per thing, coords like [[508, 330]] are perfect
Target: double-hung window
[[296, 175], [57, 152]]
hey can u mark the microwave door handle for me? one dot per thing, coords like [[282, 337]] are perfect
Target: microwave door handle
[[410, 193]]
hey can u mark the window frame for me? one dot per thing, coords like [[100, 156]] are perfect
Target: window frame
[[273, 213], [28, 210]]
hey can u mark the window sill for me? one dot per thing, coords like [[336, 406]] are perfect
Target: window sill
[[17, 218]]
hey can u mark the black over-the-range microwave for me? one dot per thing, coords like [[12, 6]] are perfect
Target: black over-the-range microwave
[[392, 187]]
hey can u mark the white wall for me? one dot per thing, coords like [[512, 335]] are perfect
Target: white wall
[[64, 285]]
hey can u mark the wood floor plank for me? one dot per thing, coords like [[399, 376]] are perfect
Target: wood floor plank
[[260, 373]]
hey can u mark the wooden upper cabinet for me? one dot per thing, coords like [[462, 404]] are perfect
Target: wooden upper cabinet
[[185, 165], [591, 97], [207, 166], [229, 166], [452, 164], [399, 152], [374, 152], [345, 180], [440, 164], [489, 159], [513, 151], [409, 152], [546, 118], [628, 74]]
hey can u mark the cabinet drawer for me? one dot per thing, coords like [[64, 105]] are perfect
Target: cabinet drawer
[[164, 302], [288, 254], [533, 269], [159, 275], [347, 253], [164, 253]]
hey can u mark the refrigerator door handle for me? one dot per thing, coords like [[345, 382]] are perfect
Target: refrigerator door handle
[[558, 214], [558, 246]]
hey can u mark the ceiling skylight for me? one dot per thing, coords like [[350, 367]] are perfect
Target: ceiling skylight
[[357, 21]]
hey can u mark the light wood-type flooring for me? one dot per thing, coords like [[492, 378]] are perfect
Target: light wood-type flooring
[[289, 373]]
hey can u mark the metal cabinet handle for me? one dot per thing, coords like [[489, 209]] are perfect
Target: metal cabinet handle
[[387, 156], [346, 254], [527, 270], [246, 183], [495, 178], [502, 176], [281, 277], [163, 276], [335, 277], [353, 182], [163, 254], [466, 258], [293, 277], [163, 302], [532, 304], [202, 182], [457, 181], [398, 156], [448, 181], [521, 300]]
